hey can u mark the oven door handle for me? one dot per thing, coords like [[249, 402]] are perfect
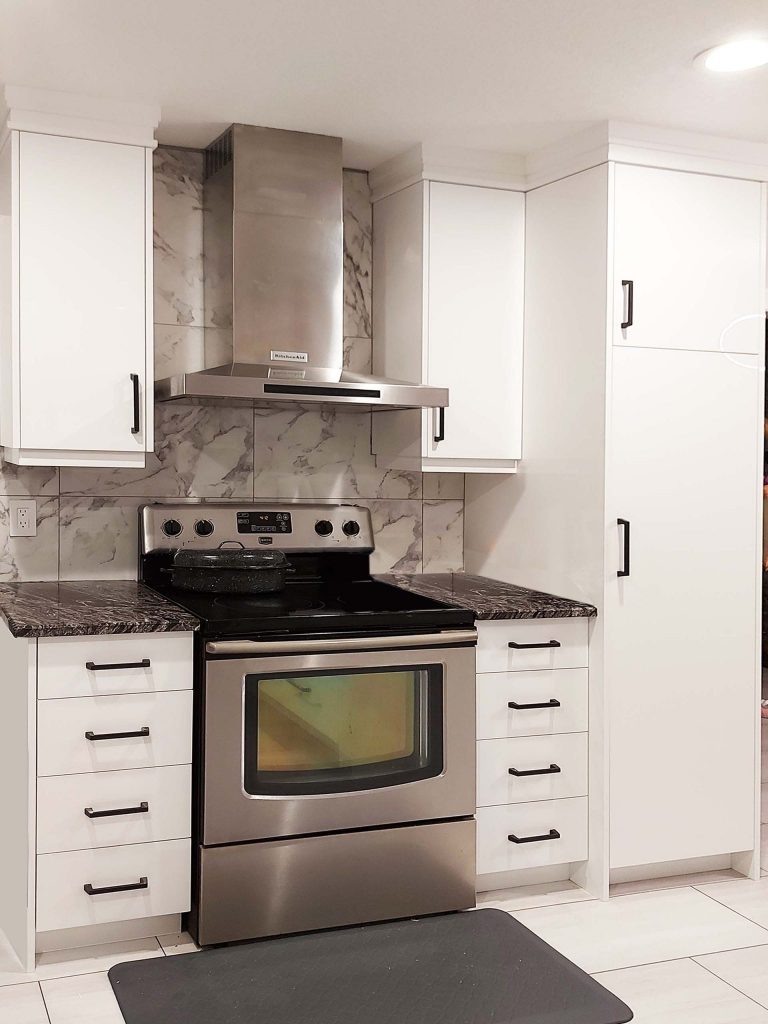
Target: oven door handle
[[455, 636]]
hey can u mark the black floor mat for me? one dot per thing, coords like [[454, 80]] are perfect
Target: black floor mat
[[480, 967]]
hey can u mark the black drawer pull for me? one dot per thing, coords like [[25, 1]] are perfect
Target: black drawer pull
[[624, 571], [141, 884], [552, 834], [554, 769], [92, 667], [533, 647], [143, 808], [439, 434], [93, 736], [528, 707]]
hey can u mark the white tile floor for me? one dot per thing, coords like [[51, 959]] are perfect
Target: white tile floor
[[694, 954]]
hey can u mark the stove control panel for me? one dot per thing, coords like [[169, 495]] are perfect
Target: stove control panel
[[288, 527]]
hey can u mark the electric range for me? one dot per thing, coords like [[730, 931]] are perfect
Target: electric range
[[334, 721]]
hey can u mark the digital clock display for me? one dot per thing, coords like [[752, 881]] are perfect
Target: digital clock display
[[264, 522]]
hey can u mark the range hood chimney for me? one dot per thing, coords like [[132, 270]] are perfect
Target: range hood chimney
[[274, 274]]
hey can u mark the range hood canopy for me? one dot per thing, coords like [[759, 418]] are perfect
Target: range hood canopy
[[273, 253]]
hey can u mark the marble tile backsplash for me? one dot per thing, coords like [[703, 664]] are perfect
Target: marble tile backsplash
[[87, 518]]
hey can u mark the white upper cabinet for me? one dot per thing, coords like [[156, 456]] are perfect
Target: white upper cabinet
[[77, 379], [687, 256], [448, 311]]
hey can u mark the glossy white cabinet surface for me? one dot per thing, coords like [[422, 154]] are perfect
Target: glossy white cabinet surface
[[475, 318], [692, 245], [497, 852], [557, 643], [448, 311], [681, 629], [61, 877], [562, 758], [63, 748], [82, 292], [567, 688], [160, 797], [116, 664]]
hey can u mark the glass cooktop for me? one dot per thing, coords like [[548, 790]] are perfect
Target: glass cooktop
[[310, 607]]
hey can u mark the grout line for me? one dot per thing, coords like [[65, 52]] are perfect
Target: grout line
[[728, 983], [45, 1004], [737, 912], [669, 960]]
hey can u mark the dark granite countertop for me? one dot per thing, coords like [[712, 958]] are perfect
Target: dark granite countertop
[[490, 599], [88, 608]]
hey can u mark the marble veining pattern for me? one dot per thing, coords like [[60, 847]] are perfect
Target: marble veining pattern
[[81, 609], [492, 599], [358, 243], [322, 452], [201, 451], [211, 452], [178, 236]]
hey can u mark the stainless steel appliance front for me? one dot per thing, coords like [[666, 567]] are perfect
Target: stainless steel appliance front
[[321, 736]]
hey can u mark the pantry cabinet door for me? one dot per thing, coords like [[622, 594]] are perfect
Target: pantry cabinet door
[[82, 299], [692, 247], [682, 627], [475, 320]]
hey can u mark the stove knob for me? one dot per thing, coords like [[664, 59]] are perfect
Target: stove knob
[[351, 528], [171, 527], [323, 527], [203, 527]]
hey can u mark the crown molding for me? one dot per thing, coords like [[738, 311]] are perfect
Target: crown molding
[[649, 146], [430, 162], [81, 117]]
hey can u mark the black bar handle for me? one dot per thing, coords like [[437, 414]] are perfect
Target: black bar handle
[[533, 647], [143, 808], [554, 769], [552, 834], [93, 736], [528, 707], [440, 433], [136, 412], [141, 884], [92, 667], [624, 571], [630, 286]]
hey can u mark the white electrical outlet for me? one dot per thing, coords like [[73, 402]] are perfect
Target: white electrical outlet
[[23, 517]]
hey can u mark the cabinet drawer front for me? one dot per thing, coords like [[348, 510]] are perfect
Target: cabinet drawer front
[[63, 903], [63, 749], [495, 851], [495, 655], [495, 784], [160, 799], [62, 664], [496, 690]]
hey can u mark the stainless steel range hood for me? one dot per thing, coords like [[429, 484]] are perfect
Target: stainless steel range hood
[[274, 275]]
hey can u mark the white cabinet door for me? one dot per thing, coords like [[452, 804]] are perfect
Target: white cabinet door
[[475, 320], [681, 629], [82, 299], [692, 244]]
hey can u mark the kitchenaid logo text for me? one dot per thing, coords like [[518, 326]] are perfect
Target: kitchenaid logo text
[[288, 357]]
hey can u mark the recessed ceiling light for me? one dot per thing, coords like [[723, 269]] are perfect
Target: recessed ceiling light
[[741, 55]]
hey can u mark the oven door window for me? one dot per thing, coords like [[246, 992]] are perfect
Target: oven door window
[[336, 732]]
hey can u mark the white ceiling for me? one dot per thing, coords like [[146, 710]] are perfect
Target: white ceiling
[[385, 74]]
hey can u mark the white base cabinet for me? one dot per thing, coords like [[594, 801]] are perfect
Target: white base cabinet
[[98, 786], [448, 311], [532, 748]]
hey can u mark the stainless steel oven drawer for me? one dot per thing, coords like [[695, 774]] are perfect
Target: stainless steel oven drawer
[[271, 888]]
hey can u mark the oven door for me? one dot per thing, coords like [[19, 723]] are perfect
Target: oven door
[[319, 736]]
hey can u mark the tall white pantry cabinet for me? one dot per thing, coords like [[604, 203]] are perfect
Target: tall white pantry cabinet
[[640, 485], [76, 354]]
